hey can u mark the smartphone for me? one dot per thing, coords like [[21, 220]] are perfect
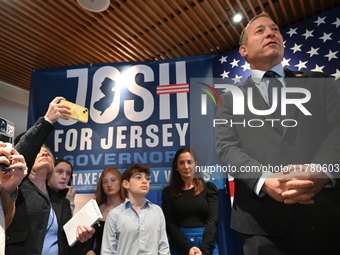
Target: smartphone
[[6, 136], [79, 113], [3, 166]]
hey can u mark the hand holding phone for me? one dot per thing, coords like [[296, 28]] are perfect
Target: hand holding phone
[[6, 152], [79, 113]]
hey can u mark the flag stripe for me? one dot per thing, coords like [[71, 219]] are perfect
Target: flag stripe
[[172, 88], [172, 91]]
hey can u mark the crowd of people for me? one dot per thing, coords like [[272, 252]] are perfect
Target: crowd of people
[[283, 213], [38, 199]]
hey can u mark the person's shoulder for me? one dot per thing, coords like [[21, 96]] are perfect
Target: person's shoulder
[[166, 191], [26, 185], [157, 210], [244, 85], [155, 206], [119, 207], [307, 74], [211, 187], [116, 211]]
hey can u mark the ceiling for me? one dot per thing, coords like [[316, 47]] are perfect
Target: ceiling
[[50, 33]]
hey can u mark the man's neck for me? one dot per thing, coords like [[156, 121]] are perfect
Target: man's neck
[[264, 66]]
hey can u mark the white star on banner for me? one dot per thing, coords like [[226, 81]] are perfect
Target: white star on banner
[[246, 66], [318, 68], [296, 48], [285, 62], [337, 74], [326, 37], [292, 31], [337, 22], [320, 20], [308, 34], [316, 39], [331, 55], [234, 63], [237, 79], [301, 65], [223, 59], [313, 52], [225, 74]]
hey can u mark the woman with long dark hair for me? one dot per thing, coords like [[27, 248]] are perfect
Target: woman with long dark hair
[[190, 207]]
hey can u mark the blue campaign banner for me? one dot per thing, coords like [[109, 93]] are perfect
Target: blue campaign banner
[[138, 113]]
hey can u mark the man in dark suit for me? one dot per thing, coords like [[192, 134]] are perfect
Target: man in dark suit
[[287, 198]]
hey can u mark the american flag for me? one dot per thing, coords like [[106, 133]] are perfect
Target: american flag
[[311, 45]]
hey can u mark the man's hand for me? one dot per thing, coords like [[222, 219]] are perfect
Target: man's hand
[[280, 187], [295, 184], [297, 193]]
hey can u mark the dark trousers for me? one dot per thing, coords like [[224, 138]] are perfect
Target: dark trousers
[[300, 239]]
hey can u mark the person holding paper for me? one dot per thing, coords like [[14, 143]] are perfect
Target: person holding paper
[[137, 226], [37, 226], [109, 194]]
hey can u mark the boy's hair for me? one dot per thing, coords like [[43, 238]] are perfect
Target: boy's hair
[[137, 168]]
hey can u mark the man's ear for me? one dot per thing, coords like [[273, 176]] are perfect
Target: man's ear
[[125, 184], [243, 51]]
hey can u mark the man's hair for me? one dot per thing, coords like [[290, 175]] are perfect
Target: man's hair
[[243, 37], [131, 170]]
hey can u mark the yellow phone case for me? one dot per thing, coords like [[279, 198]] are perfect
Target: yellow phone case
[[79, 113]]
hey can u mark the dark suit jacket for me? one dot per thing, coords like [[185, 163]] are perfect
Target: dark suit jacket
[[27, 232], [316, 139]]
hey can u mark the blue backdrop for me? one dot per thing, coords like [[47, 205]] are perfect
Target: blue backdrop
[[143, 112]]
